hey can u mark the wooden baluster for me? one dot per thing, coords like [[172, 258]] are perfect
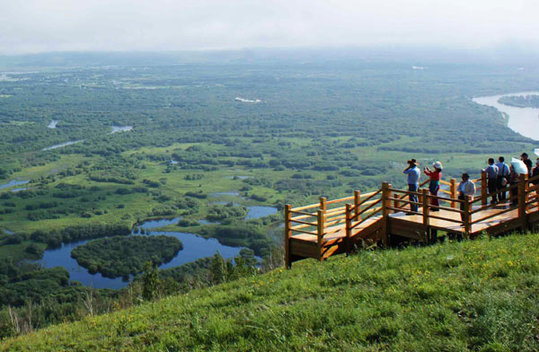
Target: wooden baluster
[[386, 190], [453, 190], [467, 217], [484, 187], [348, 216], [287, 235], [425, 205], [357, 199], [522, 192], [320, 232]]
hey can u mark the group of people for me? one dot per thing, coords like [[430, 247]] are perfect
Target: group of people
[[499, 176]]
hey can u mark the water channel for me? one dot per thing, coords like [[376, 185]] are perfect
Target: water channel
[[522, 120]]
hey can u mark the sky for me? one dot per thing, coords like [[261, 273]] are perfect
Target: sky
[[33, 26]]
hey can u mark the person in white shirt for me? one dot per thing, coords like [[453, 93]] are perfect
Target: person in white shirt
[[466, 188]]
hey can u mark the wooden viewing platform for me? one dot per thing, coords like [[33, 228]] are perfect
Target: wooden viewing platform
[[337, 226]]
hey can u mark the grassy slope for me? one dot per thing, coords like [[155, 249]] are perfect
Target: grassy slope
[[477, 295]]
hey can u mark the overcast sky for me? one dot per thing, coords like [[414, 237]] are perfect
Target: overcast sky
[[29, 26]]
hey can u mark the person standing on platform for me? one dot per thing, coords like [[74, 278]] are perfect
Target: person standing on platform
[[466, 188], [414, 174], [503, 177], [435, 176], [528, 162], [492, 179]]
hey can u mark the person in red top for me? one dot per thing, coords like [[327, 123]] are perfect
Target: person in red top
[[435, 176]]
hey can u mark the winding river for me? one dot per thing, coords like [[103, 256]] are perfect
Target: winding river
[[522, 120]]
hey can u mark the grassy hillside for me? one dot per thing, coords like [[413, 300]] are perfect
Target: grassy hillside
[[478, 295]]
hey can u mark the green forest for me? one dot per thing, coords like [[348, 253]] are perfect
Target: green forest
[[93, 151], [527, 101]]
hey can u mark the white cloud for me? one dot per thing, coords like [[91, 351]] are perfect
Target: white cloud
[[56, 25]]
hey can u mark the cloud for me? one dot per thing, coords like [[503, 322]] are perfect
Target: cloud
[[62, 25]]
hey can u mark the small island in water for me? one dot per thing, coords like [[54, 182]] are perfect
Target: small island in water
[[123, 256], [521, 101]]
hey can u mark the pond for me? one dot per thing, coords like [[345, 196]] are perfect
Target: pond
[[194, 247], [256, 212]]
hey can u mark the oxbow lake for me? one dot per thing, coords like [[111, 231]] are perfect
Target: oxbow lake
[[194, 247]]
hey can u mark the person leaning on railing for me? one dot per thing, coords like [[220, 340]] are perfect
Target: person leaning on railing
[[466, 188]]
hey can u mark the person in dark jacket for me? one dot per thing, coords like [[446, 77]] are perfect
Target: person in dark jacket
[[528, 162]]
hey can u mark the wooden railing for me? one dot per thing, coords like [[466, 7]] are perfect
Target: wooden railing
[[327, 217]]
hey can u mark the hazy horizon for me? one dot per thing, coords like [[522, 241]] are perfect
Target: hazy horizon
[[163, 25]]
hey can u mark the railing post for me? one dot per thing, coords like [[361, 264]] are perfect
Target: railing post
[[425, 205], [323, 204], [348, 217], [522, 193], [484, 187], [357, 199], [453, 190], [320, 232], [467, 217], [396, 203], [287, 235], [386, 189]]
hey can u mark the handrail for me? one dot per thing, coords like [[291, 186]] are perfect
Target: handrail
[[365, 209], [369, 196], [366, 218], [302, 213], [305, 207], [506, 189], [303, 231], [339, 200], [303, 222]]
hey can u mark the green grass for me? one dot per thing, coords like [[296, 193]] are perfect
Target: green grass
[[476, 295], [17, 251]]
